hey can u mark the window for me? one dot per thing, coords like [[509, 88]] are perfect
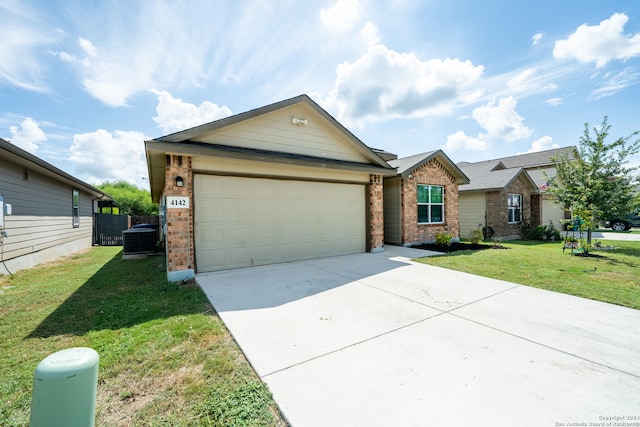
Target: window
[[430, 204], [75, 210], [515, 207]]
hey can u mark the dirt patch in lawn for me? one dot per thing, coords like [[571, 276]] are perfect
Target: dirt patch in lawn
[[454, 247]]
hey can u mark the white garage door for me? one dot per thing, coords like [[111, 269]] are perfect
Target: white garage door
[[241, 222]]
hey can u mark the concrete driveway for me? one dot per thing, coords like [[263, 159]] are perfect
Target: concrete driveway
[[378, 340]]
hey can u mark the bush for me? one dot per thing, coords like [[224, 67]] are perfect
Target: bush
[[443, 239], [476, 236], [539, 232]]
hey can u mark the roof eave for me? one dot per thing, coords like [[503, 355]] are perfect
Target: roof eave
[[51, 170], [460, 176]]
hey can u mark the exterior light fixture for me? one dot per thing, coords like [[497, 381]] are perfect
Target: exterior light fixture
[[179, 181], [299, 122]]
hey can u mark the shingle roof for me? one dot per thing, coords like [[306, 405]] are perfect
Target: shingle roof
[[17, 154], [483, 176], [537, 159], [406, 165]]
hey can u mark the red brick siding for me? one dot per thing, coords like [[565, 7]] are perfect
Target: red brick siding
[[498, 211], [179, 239], [432, 173], [376, 214]]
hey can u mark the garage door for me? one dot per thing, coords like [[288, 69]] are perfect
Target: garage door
[[241, 222]]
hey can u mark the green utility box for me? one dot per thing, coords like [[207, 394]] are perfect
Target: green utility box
[[64, 389]]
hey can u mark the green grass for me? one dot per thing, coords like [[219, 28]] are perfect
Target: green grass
[[166, 358], [613, 278]]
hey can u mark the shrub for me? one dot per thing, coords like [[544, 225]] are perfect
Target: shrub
[[443, 239], [476, 236], [539, 232]]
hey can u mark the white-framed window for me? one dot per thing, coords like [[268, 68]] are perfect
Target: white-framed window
[[430, 204], [75, 210], [515, 208]]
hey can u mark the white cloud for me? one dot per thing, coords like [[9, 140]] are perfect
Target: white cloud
[[536, 38], [175, 115], [461, 141], [342, 16], [542, 144], [88, 47], [24, 34], [600, 43], [384, 84], [27, 135], [166, 45], [554, 102], [369, 34], [501, 120], [615, 82], [104, 156]]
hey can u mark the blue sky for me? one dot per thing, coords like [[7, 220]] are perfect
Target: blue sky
[[84, 83]]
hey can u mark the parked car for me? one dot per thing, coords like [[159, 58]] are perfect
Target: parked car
[[632, 220]]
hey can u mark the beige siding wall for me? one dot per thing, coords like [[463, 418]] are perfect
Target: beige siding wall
[[221, 166], [40, 227], [473, 207], [392, 212], [551, 212], [276, 132]]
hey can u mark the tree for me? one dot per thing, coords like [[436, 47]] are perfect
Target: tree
[[598, 185], [132, 200]]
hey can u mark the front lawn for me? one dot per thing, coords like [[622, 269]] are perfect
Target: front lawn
[[613, 278], [166, 358]]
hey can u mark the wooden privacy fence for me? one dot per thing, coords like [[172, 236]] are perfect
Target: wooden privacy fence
[[107, 229]]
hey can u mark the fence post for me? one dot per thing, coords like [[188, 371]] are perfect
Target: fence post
[[64, 389]]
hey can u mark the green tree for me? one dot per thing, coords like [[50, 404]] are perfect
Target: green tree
[[598, 184], [132, 200]]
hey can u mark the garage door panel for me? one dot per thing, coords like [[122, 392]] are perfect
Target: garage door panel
[[252, 221]]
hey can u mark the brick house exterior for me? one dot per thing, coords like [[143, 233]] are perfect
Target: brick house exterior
[[484, 202], [375, 214], [401, 198], [497, 208], [179, 241], [300, 186]]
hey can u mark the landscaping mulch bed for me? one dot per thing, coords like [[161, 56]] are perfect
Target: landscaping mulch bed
[[454, 247]]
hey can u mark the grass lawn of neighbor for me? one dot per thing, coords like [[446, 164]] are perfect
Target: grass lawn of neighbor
[[611, 277]]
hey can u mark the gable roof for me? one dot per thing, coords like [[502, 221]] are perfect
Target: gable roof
[[196, 131], [482, 173], [537, 159], [188, 142], [21, 157], [407, 165], [484, 177]]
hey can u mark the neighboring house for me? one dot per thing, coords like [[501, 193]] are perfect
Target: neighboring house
[[496, 199], [540, 167], [51, 211], [280, 183], [422, 199], [506, 191]]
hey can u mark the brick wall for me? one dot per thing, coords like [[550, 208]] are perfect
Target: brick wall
[[376, 214], [179, 240], [431, 173], [498, 211]]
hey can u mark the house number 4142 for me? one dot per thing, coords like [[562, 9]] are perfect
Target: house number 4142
[[178, 202]]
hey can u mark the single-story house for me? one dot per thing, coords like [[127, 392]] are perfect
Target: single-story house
[[505, 191], [45, 213], [422, 199], [280, 183], [540, 168], [496, 200]]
